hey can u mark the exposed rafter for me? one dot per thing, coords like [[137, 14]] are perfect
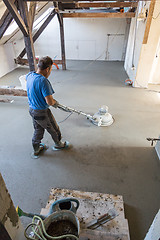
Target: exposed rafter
[[75, 1], [40, 30], [104, 4], [40, 9], [13, 10], [5, 24], [87, 5], [107, 12], [98, 15], [149, 20], [5, 14]]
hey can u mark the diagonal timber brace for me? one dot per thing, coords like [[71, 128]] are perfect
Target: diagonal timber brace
[[13, 10], [40, 30]]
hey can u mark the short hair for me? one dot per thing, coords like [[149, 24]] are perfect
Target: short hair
[[45, 62]]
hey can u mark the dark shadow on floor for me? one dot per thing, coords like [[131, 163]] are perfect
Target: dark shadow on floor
[[131, 172]]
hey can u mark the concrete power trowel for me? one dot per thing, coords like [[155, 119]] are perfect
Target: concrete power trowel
[[101, 119]]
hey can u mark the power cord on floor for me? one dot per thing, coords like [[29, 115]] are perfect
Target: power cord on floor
[[66, 117], [40, 231]]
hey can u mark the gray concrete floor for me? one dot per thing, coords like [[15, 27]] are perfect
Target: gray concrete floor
[[116, 159]]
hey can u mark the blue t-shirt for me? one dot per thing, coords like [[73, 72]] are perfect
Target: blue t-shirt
[[38, 87]]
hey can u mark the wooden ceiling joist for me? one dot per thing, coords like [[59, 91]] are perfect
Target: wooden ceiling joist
[[149, 20], [72, 1], [99, 15], [98, 4]]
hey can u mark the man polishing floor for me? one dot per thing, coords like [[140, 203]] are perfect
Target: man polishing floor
[[39, 91]]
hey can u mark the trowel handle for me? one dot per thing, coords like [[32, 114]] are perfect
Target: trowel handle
[[76, 201], [62, 201]]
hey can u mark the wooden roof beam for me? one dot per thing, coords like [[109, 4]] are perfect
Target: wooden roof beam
[[73, 1], [39, 31], [99, 15], [105, 4], [13, 10], [80, 5], [5, 24], [5, 15], [5, 21], [149, 20]]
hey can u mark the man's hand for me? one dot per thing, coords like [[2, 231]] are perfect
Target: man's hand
[[56, 104]]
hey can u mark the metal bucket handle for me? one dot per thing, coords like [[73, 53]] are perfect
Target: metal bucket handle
[[62, 201]]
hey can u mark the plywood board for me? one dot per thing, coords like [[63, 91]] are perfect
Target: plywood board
[[93, 205]]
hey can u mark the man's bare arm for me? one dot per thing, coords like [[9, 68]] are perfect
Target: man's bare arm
[[50, 100]]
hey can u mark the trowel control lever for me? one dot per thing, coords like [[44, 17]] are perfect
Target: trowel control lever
[[153, 140]]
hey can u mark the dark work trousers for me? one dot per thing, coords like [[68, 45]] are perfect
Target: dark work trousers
[[44, 119]]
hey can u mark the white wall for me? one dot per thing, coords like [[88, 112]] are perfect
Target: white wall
[[7, 59], [85, 39], [134, 45], [155, 71], [90, 39], [143, 63], [6, 52], [154, 231], [147, 59]]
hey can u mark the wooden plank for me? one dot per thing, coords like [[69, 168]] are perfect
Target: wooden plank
[[105, 4], [60, 18], [28, 39], [99, 15], [92, 205], [67, 6], [24, 61], [13, 10], [74, 0], [81, 5], [13, 92], [3, 233], [39, 31], [149, 20], [86, 234]]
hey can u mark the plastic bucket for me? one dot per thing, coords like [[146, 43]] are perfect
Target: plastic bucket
[[61, 223], [23, 82]]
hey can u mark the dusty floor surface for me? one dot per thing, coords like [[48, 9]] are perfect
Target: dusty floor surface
[[116, 159]]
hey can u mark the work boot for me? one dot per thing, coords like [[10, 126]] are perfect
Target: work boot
[[38, 148], [60, 145]]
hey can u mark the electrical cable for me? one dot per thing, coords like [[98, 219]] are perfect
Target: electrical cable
[[66, 118], [40, 231]]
